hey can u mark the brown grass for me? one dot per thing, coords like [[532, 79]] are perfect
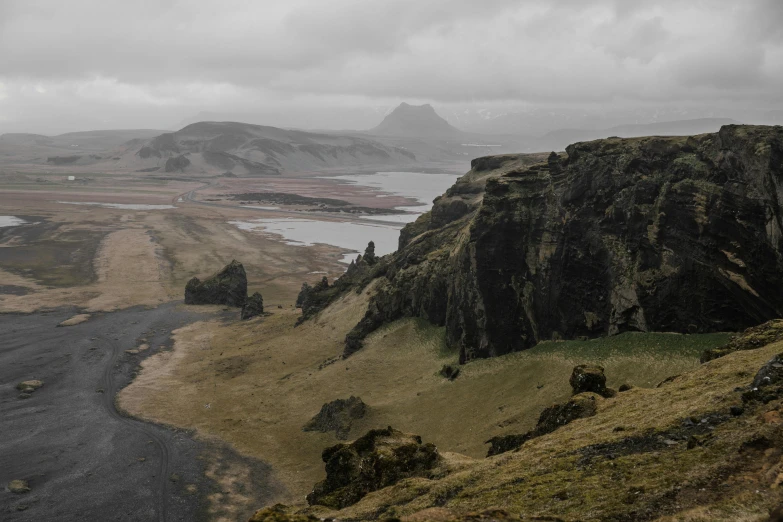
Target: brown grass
[[256, 384]]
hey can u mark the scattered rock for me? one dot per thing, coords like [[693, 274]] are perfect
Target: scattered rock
[[449, 372], [76, 319], [253, 307], [337, 416], [19, 486], [624, 388], [374, 461], [227, 287], [590, 378]]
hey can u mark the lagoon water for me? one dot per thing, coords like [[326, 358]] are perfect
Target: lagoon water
[[122, 206], [355, 236], [308, 232], [11, 221], [417, 185]]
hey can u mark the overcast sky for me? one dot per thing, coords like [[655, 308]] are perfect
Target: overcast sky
[[82, 64]]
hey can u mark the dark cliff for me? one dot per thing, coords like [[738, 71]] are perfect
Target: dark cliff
[[669, 234]]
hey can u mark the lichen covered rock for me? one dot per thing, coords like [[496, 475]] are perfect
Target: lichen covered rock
[[770, 374], [227, 287], [750, 339], [253, 307], [376, 460], [589, 378], [337, 416]]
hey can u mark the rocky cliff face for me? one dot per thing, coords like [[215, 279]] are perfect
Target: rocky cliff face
[[669, 234]]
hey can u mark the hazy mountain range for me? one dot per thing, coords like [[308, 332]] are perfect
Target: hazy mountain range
[[406, 135]]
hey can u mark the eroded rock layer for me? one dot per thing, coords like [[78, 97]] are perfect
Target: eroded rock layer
[[660, 233]]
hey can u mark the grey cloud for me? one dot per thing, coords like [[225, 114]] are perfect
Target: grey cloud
[[176, 58]]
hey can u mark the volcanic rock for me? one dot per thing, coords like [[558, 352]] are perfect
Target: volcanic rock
[[376, 460], [578, 407], [337, 416], [770, 374], [227, 287], [680, 234], [589, 378], [253, 307]]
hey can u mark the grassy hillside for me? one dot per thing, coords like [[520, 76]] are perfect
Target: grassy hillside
[[255, 384]]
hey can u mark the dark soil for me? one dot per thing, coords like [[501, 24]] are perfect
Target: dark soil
[[83, 459]]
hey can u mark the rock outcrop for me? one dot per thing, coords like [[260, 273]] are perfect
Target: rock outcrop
[[227, 287], [590, 378], [177, 164], [750, 339], [553, 417], [376, 460], [253, 307], [675, 234], [337, 416]]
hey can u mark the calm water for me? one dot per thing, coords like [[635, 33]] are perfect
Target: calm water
[[122, 206], [355, 236], [11, 221], [308, 232], [422, 187]]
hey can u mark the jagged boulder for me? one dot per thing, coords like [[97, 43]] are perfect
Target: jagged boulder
[[304, 293], [227, 287], [449, 372], [254, 306], [578, 407], [590, 378], [376, 460], [337, 416]]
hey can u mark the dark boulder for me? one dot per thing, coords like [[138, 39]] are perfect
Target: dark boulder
[[770, 374], [374, 461], [449, 372], [227, 287], [304, 293], [504, 443], [253, 307], [589, 378], [337, 416], [555, 416]]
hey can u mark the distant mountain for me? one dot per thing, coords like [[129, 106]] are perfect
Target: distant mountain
[[73, 148], [245, 149], [419, 121], [557, 140]]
